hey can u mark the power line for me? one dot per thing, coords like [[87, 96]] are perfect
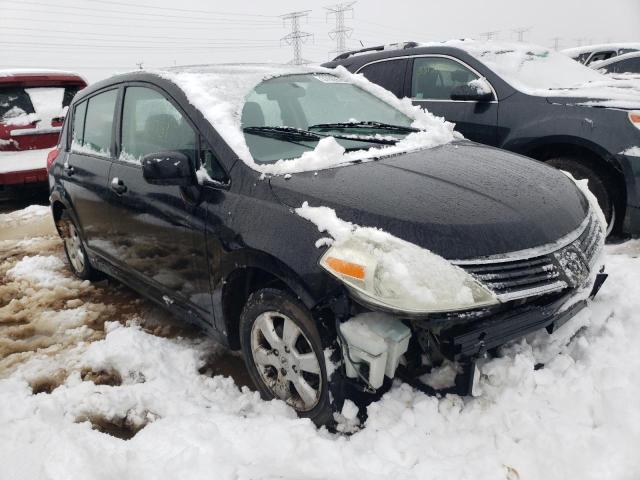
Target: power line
[[341, 32], [296, 38], [141, 5], [145, 15]]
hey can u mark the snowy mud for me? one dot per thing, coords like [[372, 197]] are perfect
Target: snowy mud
[[96, 383]]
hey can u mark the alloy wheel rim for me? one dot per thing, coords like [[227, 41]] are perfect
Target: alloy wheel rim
[[286, 360], [73, 245]]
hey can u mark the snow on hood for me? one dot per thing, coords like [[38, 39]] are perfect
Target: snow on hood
[[540, 71], [219, 92]]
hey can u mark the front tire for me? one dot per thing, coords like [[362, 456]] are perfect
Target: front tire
[[283, 352], [74, 248]]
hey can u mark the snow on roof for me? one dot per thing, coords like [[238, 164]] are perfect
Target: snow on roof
[[219, 92], [575, 51]]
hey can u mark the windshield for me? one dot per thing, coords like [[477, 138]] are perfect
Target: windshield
[[284, 117], [535, 68]]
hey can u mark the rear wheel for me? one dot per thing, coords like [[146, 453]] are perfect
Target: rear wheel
[[74, 248], [600, 184], [283, 352]]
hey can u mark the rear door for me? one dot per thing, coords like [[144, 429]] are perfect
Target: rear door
[[159, 229], [433, 79], [86, 168]]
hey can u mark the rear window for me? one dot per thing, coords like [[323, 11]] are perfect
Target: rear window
[[42, 105]]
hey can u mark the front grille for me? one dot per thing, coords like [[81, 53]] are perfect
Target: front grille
[[520, 276]]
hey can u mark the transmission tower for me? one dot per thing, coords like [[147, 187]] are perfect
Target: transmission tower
[[521, 32], [296, 38], [341, 32], [489, 35], [556, 43]]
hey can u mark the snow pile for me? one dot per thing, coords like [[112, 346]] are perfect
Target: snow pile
[[220, 93], [9, 220], [40, 270], [480, 85], [576, 418], [399, 266], [540, 71]]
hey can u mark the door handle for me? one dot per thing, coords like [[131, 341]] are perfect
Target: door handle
[[68, 169], [118, 186]]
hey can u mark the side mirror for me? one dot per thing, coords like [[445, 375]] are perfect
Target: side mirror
[[476, 91], [168, 168]]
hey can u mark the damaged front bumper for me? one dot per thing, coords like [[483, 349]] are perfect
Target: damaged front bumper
[[462, 338]]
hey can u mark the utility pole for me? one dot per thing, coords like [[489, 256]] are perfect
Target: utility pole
[[556, 43], [296, 38], [489, 35], [341, 32], [521, 32], [140, 65]]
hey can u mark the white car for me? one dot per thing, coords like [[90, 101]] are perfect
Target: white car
[[596, 53]]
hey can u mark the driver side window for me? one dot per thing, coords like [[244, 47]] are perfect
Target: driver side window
[[435, 78]]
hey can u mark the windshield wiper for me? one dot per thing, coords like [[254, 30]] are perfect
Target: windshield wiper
[[293, 134], [284, 133], [364, 125]]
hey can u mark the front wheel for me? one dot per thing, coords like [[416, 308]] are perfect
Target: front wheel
[[283, 352]]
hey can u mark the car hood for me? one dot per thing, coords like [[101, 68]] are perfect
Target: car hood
[[624, 94], [460, 200]]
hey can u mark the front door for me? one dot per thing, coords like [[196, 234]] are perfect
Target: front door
[[432, 82], [160, 229], [86, 169]]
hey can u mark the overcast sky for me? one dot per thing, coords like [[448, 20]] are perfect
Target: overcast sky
[[100, 37]]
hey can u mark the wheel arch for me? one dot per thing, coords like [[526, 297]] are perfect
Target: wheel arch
[[589, 153], [245, 273]]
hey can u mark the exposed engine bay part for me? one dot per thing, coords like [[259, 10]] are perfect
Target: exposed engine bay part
[[372, 345]]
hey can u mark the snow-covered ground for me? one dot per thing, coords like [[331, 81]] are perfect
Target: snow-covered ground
[[78, 360]]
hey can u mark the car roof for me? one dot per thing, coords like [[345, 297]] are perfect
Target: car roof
[[575, 51], [39, 76]]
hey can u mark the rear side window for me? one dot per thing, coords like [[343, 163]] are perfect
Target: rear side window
[[435, 78], [77, 137], [389, 74], [151, 124], [98, 125]]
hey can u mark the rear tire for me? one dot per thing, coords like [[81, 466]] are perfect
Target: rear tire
[[600, 184], [283, 353], [74, 248]]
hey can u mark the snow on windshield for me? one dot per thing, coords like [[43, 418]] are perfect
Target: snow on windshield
[[220, 93]]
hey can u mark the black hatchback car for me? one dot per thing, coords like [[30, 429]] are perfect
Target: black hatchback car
[[528, 100], [207, 189]]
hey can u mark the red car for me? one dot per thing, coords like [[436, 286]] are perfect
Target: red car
[[33, 104]]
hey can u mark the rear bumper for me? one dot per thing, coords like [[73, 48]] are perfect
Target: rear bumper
[[25, 176]]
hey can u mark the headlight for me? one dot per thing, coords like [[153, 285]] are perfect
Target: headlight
[[396, 275], [634, 118]]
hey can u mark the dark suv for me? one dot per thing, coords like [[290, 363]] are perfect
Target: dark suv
[[528, 100], [207, 189]]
